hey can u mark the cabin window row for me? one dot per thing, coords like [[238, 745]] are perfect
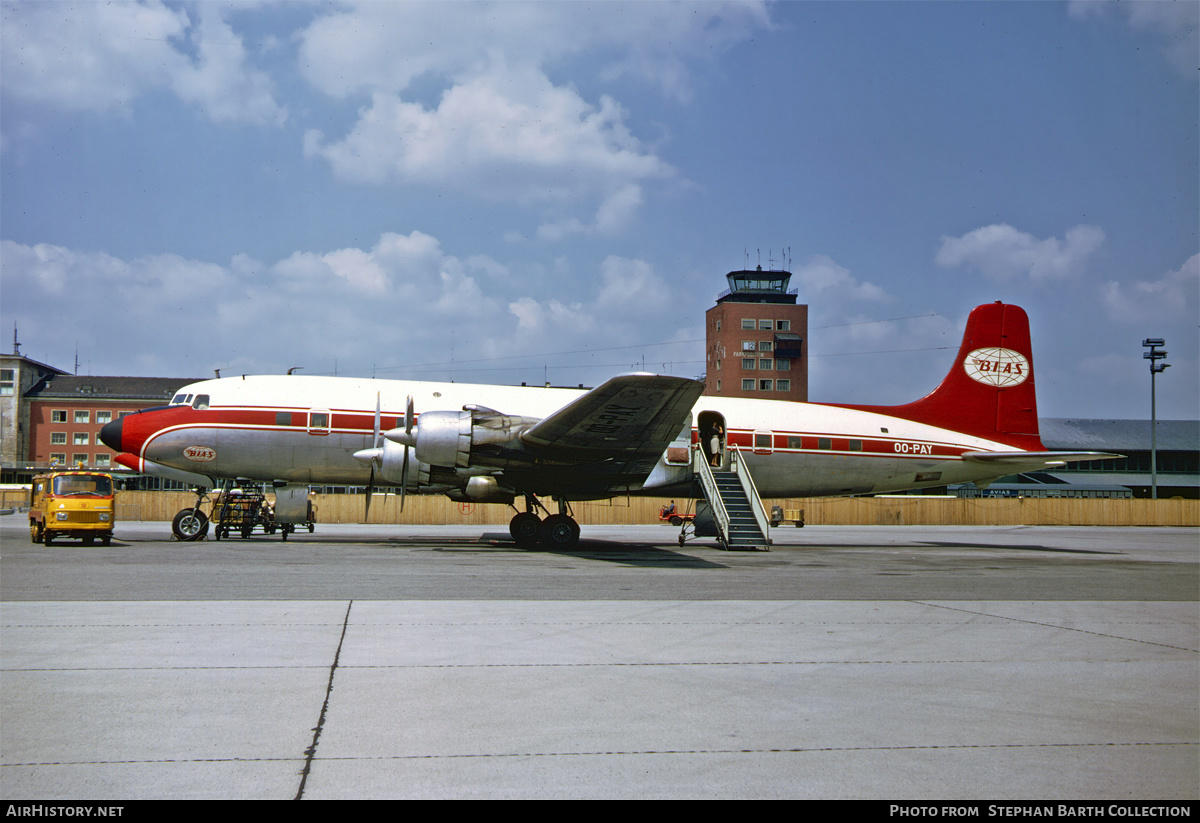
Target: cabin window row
[[763, 440]]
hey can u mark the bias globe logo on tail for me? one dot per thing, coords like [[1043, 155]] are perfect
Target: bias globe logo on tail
[[997, 367]]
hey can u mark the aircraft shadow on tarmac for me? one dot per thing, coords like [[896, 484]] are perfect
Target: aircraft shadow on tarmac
[[1008, 547], [634, 554], [951, 544], [646, 555]]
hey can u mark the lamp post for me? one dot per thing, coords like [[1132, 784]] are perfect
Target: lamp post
[[1154, 355]]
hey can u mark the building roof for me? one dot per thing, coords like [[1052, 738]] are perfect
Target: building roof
[[76, 387], [1074, 434], [8, 358]]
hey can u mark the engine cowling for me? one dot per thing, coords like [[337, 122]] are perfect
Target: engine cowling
[[391, 461], [443, 438], [460, 439]]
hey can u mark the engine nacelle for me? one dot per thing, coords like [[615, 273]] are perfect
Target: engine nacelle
[[391, 466], [443, 438], [454, 439]]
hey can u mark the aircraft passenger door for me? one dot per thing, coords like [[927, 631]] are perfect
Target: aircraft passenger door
[[712, 433]]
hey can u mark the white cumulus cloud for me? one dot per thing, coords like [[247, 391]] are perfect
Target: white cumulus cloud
[[1171, 297], [506, 135], [1176, 21], [1002, 253], [364, 47], [104, 56], [823, 278]]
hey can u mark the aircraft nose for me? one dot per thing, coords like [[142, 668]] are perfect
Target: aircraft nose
[[110, 434]]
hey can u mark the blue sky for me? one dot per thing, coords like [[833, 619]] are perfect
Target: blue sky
[[554, 191]]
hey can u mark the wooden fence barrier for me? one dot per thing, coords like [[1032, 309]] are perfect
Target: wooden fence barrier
[[823, 511], [817, 511]]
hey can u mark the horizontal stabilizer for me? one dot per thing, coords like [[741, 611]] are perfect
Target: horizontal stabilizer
[[1028, 461]]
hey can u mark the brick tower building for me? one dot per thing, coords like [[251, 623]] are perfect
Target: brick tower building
[[755, 339]]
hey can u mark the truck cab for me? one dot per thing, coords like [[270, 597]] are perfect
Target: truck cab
[[72, 504]]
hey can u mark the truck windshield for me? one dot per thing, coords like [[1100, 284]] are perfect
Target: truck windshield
[[93, 484]]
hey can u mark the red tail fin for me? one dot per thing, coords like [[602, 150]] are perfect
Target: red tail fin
[[989, 391]]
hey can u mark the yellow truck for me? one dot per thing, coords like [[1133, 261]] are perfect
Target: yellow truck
[[75, 504]]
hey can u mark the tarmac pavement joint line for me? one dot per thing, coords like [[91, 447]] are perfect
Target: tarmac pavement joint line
[[1055, 626], [311, 751]]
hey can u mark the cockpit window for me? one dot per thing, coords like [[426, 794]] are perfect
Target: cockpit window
[[179, 400], [201, 402]]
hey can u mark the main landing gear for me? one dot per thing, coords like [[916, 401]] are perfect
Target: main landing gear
[[556, 531]]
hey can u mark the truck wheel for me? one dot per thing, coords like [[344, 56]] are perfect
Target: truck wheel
[[190, 524], [35, 531]]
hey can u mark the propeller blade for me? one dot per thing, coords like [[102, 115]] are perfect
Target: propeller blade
[[408, 427], [407, 436], [375, 452], [375, 440], [404, 479]]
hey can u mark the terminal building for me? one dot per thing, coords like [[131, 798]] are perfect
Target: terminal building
[[1178, 464], [51, 419]]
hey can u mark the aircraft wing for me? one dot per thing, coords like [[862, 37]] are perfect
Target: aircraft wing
[[616, 432]]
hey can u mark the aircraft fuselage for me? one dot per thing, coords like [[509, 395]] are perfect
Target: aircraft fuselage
[[307, 429]]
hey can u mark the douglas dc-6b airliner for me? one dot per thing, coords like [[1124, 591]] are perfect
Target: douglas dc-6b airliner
[[635, 434]]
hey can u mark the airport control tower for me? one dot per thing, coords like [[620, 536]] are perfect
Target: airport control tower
[[756, 339]]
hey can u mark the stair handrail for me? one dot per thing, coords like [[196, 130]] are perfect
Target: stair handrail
[[738, 465], [712, 494]]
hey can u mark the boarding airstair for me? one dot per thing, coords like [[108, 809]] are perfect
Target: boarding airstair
[[738, 513]]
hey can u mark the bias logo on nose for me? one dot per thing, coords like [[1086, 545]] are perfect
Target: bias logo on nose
[[200, 454]]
